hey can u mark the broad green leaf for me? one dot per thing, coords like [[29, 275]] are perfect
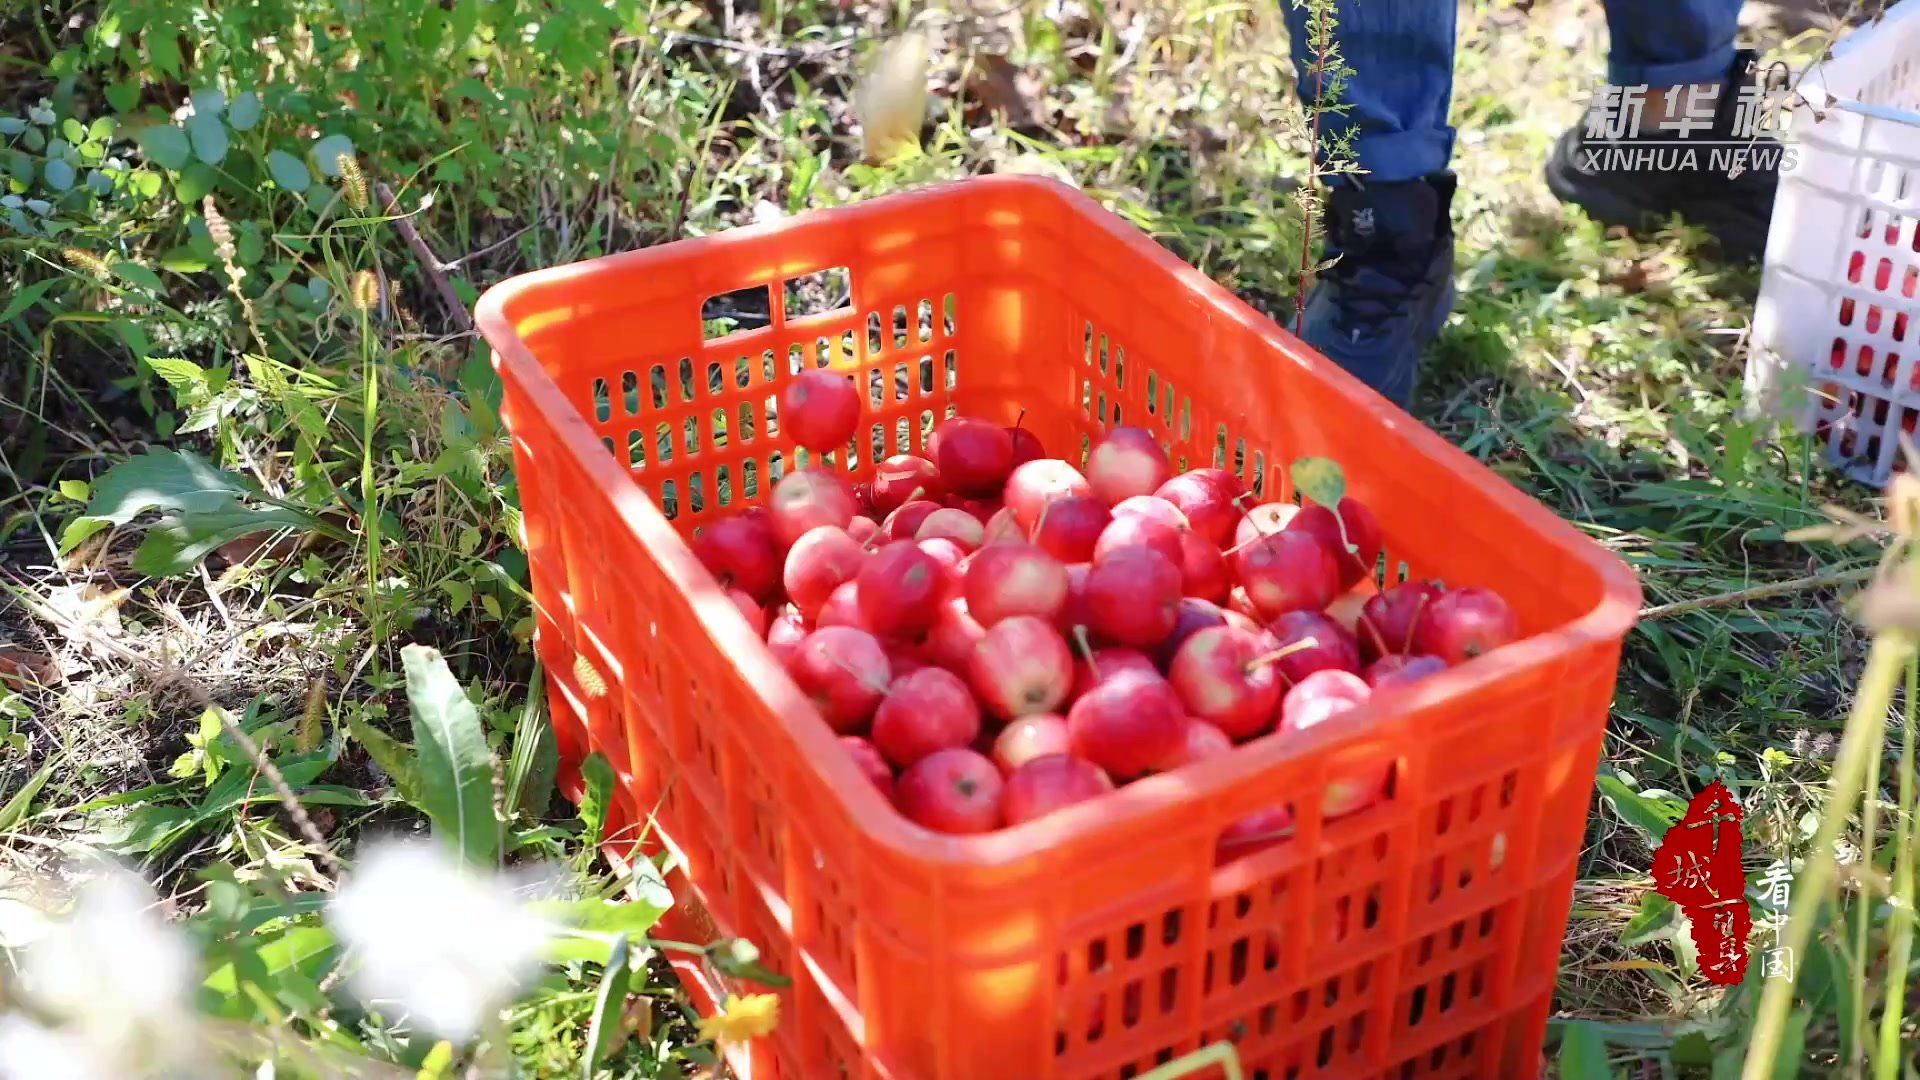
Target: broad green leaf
[[146, 182], [327, 151], [598, 775], [456, 772], [136, 274], [26, 297], [100, 130], [739, 958], [608, 1006], [208, 102], [183, 260], [1793, 1044], [74, 489], [194, 182], [1650, 816], [165, 145], [304, 950], [244, 112], [209, 136], [1655, 915], [1320, 480], [12, 125], [173, 481], [394, 757], [73, 131], [1583, 1053], [438, 1064], [179, 373], [176, 546], [16, 807], [288, 172], [58, 174], [124, 95], [163, 48]]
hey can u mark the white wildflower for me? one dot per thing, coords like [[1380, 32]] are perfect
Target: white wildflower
[[443, 944], [115, 973], [31, 1052]]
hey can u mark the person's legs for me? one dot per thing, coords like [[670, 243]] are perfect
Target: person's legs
[[1401, 54], [1678, 58], [1387, 230]]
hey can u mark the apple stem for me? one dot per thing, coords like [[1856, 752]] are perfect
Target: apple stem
[[1282, 652], [876, 687], [1041, 521], [1021, 419], [1352, 548], [1086, 650], [1378, 638], [1419, 609], [1256, 538]]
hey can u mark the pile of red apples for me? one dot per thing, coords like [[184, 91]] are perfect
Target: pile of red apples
[[995, 634]]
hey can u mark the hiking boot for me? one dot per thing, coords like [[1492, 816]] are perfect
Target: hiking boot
[[1391, 285], [1711, 177]]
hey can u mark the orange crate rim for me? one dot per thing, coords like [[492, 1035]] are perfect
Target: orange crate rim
[[1134, 803]]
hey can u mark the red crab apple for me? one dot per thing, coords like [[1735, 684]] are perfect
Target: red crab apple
[[1228, 678], [1074, 616], [1463, 623], [1021, 666], [844, 671], [820, 409], [951, 791], [1259, 830], [1207, 503], [951, 557], [951, 638], [739, 553], [1153, 508], [1239, 604], [1128, 461], [1026, 445], [785, 631], [904, 478], [1035, 484], [1203, 741], [819, 563], [750, 610], [1070, 527], [1195, 615], [1399, 669], [1014, 578], [1388, 621], [1137, 531], [1203, 570], [900, 588], [927, 711], [903, 658], [1356, 549], [1287, 571], [1028, 737], [842, 607], [1128, 724], [904, 523], [1318, 698], [865, 530], [956, 525], [1091, 669], [869, 761], [807, 499], [1133, 597], [983, 510], [1001, 528], [974, 456], [1050, 783], [1263, 520], [1332, 646]]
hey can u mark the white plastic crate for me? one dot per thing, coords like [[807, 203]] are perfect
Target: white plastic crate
[[1836, 330]]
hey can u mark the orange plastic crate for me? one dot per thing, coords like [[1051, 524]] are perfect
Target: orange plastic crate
[[1418, 938]]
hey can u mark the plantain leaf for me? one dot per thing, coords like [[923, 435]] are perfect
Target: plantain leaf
[[608, 1006], [456, 771], [1583, 1053], [395, 758], [598, 775]]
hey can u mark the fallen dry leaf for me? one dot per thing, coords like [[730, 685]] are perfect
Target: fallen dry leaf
[[23, 668], [1008, 91]]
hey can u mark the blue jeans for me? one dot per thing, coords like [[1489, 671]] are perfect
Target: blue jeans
[[1401, 53]]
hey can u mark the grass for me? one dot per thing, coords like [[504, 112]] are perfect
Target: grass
[[229, 289]]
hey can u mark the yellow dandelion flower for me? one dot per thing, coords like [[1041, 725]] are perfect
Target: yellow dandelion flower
[[742, 1019]]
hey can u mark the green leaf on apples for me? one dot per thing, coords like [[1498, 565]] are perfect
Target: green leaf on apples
[[1320, 480]]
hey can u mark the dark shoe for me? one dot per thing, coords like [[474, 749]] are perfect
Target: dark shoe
[[1711, 178], [1385, 297]]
